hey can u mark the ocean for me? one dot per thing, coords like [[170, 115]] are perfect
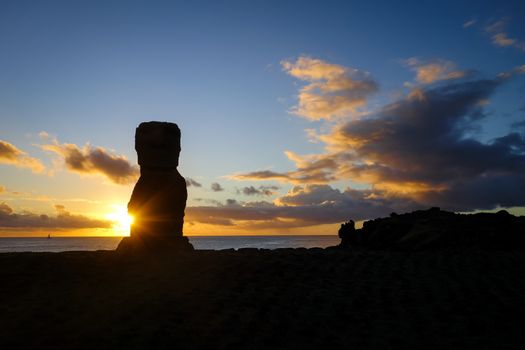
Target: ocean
[[61, 244]]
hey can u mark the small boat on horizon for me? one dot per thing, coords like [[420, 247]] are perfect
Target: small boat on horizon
[[49, 236]]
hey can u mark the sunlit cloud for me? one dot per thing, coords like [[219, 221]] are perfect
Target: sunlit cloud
[[500, 37], [262, 175], [311, 169], [10, 154], [418, 147], [303, 206], [331, 91], [428, 72], [90, 160], [414, 152], [62, 219]]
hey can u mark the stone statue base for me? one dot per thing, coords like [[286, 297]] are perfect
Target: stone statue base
[[158, 245]]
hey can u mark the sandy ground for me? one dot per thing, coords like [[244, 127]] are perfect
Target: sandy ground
[[293, 299]]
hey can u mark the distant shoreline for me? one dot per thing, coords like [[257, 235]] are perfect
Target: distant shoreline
[[58, 244], [109, 236]]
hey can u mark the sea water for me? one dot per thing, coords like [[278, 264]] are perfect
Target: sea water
[[60, 244]]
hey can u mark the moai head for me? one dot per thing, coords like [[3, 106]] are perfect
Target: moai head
[[158, 144]]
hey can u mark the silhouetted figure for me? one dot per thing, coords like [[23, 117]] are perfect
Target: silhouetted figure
[[159, 198], [347, 234]]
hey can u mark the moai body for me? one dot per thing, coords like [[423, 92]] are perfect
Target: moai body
[[159, 198]]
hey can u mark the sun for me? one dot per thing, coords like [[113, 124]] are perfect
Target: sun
[[121, 220]]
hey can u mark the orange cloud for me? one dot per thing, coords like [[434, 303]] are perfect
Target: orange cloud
[[332, 90], [436, 70], [9, 154], [95, 161], [262, 175], [501, 38], [62, 219], [417, 151], [302, 206]]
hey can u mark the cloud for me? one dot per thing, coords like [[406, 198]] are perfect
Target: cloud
[[423, 141], [420, 147], [63, 219], [312, 195], [332, 90], [216, 187], [2, 189], [416, 152], [191, 182], [232, 203], [469, 23], [311, 169], [10, 154], [303, 206], [431, 71], [91, 160], [262, 175], [520, 69], [500, 37], [260, 191]]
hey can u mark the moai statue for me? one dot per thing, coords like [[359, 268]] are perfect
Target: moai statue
[[159, 198]]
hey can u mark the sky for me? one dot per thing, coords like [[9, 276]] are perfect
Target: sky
[[295, 115]]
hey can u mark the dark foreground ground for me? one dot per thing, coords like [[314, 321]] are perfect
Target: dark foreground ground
[[296, 299]]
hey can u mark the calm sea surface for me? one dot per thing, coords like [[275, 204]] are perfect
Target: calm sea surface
[[60, 244]]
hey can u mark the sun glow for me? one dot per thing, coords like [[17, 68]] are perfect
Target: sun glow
[[121, 220]]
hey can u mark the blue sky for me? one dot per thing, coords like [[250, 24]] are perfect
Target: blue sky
[[91, 71]]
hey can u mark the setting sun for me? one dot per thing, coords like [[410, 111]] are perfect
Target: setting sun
[[121, 220]]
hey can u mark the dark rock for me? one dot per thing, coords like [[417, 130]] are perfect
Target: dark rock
[[347, 233], [316, 249], [437, 229], [159, 197], [248, 250]]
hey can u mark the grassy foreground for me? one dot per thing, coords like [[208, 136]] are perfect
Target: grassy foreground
[[253, 299]]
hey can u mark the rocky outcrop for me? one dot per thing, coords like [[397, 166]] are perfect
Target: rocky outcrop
[[347, 234], [159, 198], [437, 229]]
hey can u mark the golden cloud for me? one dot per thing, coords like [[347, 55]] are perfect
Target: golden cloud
[[417, 150], [95, 161], [10, 154], [501, 38], [332, 90], [436, 70], [62, 219]]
